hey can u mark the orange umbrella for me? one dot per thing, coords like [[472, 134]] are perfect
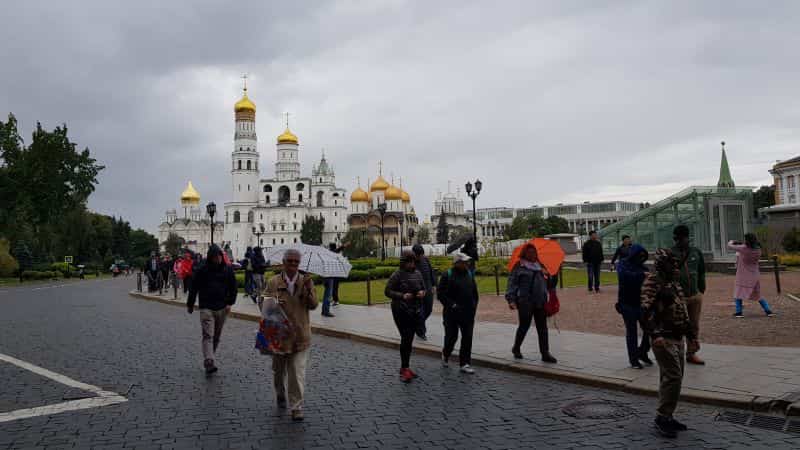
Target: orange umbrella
[[551, 255]]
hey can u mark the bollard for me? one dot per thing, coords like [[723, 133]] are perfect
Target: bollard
[[175, 288], [561, 276], [497, 279], [777, 274], [369, 292]]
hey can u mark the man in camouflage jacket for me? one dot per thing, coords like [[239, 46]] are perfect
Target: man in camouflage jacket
[[667, 319]]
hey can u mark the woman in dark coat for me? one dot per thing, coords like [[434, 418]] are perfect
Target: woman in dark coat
[[527, 294], [406, 289], [631, 273]]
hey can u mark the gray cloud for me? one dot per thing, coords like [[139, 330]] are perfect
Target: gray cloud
[[544, 101]]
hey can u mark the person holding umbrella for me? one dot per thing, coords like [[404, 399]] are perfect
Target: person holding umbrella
[[406, 289], [527, 294]]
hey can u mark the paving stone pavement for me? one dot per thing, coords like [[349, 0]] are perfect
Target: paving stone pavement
[[95, 333]]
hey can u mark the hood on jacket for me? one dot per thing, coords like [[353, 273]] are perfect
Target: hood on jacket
[[214, 250]]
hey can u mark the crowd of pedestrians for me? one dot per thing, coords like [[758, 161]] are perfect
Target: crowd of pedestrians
[[663, 302]]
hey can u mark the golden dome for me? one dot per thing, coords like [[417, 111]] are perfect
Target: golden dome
[[244, 104], [379, 185], [406, 197], [393, 193], [359, 195], [190, 195], [287, 137]]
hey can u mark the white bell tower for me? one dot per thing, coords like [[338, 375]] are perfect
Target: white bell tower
[[244, 158]]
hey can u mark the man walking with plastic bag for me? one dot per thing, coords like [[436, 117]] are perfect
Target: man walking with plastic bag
[[215, 283], [294, 293]]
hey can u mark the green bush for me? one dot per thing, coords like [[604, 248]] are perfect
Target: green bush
[[358, 275], [39, 275], [382, 272], [789, 259], [8, 265]]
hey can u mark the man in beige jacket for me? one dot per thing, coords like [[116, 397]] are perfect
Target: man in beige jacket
[[296, 295]]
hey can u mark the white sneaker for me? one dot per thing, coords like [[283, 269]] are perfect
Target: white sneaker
[[467, 369], [445, 362]]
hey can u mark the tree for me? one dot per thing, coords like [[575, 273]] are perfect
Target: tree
[[359, 245], [424, 235], [311, 230], [23, 255], [460, 233], [142, 243], [173, 244], [8, 265], [41, 183], [442, 230], [764, 197], [526, 227]]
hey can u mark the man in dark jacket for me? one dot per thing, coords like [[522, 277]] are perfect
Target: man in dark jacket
[[459, 296], [593, 257], [215, 283], [632, 272], [429, 278], [692, 267], [622, 251], [259, 268], [667, 319]]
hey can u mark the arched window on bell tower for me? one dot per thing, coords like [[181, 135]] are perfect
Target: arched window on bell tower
[[248, 165], [239, 165]]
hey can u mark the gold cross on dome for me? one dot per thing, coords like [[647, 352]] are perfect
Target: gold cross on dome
[[286, 114], [380, 168], [244, 78]]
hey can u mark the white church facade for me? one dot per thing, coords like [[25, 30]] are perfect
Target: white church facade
[[192, 223], [270, 211]]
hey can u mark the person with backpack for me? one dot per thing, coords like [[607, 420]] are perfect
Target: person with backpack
[[527, 293], [458, 293], [692, 267], [632, 272], [748, 284], [666, 311], [429, 278], [406, 290], [215, 284], [259, 266], [247, 265]]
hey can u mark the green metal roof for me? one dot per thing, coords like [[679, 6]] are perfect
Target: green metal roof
[[725, 178]]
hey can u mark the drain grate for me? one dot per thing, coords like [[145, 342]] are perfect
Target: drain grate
[[771, 423], [768, 422], [597, 409]]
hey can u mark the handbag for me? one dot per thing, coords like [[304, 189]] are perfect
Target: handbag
[[552, 306], [274, 329]]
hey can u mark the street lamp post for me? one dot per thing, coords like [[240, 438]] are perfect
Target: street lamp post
[[382, 212], [473, 195], [258, 231], [401, 234], [211, 209]]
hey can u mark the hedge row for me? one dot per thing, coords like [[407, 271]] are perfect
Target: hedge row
[[39, 274]]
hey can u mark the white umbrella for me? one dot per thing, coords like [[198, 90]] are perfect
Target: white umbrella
[[316, 259]]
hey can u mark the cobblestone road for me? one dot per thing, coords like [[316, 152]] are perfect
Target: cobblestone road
[[94, 333]]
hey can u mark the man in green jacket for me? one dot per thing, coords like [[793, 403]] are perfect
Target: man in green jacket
[[692, 280]]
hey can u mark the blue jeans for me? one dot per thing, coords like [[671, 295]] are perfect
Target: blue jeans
[[593, 272], [326, 297]]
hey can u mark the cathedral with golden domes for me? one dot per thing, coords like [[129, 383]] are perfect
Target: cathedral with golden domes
[[400, 222], [269, 211], [190, 223]]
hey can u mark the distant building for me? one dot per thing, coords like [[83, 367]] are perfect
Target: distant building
[[582, 217], [400, 222], [451, 205], [714, 215], [785, 214], [193, 225]]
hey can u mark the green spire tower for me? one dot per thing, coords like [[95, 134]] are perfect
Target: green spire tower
[[725, 179]]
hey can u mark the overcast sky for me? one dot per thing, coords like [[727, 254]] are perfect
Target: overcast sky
[[545, 102]]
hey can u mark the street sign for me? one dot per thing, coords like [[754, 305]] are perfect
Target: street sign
[[68, 259]]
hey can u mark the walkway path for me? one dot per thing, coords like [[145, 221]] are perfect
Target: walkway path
[[745, 377]]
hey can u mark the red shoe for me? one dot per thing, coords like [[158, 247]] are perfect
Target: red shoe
[[413, 374], [406, 375]]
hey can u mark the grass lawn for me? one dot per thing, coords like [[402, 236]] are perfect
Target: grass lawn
[[15, 281], [355, 292]]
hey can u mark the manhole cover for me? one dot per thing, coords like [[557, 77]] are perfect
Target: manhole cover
[[597, 409]]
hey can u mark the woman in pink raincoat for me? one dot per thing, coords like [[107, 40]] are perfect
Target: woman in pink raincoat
[[748, 285]]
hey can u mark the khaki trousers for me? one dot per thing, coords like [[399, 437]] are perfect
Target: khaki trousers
[[292, 366], [211, 322], [694, 305], [670, 359]]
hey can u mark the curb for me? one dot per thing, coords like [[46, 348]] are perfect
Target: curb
[[747, 402]]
